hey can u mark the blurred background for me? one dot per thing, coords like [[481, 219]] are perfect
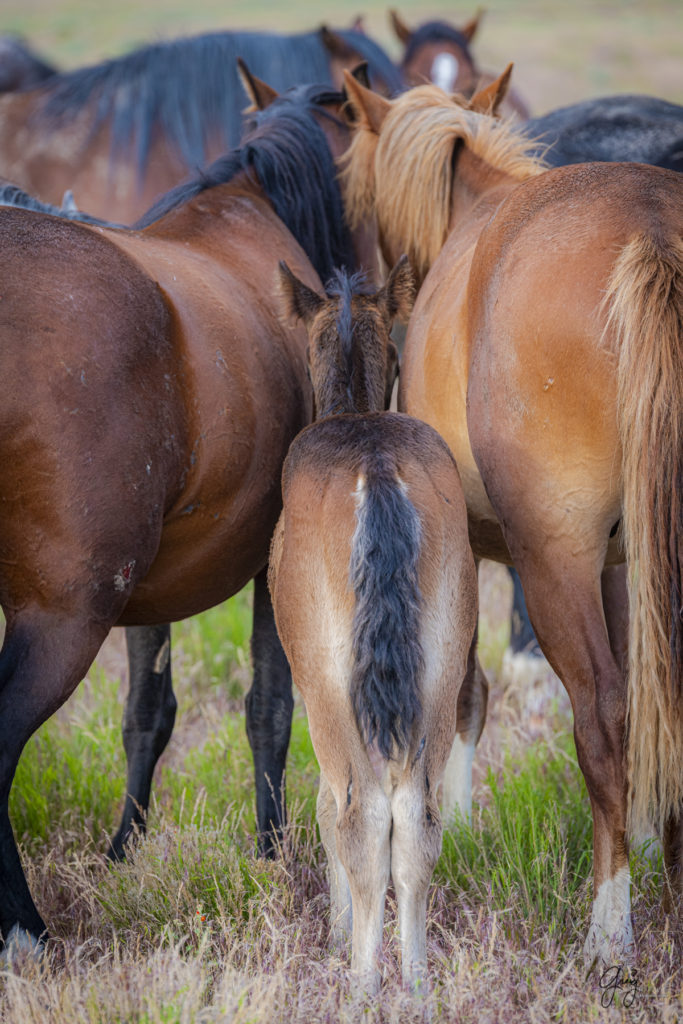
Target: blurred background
[[563, 52]]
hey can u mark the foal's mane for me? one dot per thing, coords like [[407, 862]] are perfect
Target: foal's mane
[[286, 150], [189, 88], [405, 174]]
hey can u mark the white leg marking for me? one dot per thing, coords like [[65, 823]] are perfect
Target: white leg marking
[[20, 943], [457, 781], [610, 936]]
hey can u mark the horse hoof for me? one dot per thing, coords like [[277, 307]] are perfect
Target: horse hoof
[[21, 945]]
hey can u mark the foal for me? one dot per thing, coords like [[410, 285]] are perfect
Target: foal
[[375, 597]]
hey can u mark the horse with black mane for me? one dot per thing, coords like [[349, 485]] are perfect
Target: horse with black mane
[[124, 131], [151, 395]]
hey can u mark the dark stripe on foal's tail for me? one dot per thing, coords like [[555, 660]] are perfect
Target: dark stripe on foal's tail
[[387, 669]]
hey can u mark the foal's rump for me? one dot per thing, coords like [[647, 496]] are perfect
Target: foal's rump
[[373, 554]]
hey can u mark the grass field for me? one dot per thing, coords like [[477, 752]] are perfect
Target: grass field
[[194, 928]]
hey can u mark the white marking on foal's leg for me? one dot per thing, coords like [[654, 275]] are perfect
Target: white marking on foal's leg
[[20, 943], [457, 781], [444, 71], [610, 936]]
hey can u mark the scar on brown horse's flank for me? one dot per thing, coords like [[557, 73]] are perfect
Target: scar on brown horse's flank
[[151, 395], [375, 598], [545, 346]]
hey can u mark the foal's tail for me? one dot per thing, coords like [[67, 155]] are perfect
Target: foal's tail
[[646, 295], [387, 669]]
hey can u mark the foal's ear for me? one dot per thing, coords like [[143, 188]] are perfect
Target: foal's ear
[[300, 302], [359, 25], [369, 106], [395, 300], [469, 30], [487, 100], [400, 28], [392, 373], [259, 93]]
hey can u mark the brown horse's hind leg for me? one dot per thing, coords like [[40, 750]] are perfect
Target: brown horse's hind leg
[[673, 864], [43, 658], [147, 723], [566, 609], [269, 708]]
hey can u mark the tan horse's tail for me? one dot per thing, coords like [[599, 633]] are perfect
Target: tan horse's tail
[[646, 309]]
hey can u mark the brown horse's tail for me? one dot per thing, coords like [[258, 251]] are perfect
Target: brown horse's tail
[[388, 662], [646, 308]]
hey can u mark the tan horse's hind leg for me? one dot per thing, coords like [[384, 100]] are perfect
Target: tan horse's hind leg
[[565, 604], [456, 793], [362, 829]]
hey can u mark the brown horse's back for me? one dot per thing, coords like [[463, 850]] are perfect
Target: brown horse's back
[[82, 349]]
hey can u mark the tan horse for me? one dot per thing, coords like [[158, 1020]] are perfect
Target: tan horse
[[545, 346], [375, 598]]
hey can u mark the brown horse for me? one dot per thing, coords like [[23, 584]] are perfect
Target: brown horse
[[375, 597], [121, 133], [151, 395], [545, 346], [441, 53]]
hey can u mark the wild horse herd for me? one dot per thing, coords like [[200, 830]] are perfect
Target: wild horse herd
[[158, 446]]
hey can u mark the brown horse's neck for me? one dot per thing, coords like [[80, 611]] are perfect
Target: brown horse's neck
[[478, 188]]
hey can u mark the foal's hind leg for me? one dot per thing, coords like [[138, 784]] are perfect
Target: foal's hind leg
[[415, 848], [269, 707], [363, 820], [340, 893], [43, 658], [147, 722]]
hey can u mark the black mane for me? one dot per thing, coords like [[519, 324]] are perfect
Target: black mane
[[287, 152], [12, 195], [189, 88], [436, 32], [640, 128]]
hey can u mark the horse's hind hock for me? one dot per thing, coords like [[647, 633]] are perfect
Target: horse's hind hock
[[363, 844], [415, 848], [610, 935]]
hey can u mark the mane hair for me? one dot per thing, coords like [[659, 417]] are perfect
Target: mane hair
[[12, 195], [405, 174], [285, 149], [435, 32], [189, 88], [344, 286]]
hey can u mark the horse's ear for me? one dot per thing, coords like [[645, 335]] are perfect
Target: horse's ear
[[299, 301], [259, 93], [369, 106], [360, 73], [395, 300], [469, 30], [336, 45], [487, 100], [359, 25], [400, 28]]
